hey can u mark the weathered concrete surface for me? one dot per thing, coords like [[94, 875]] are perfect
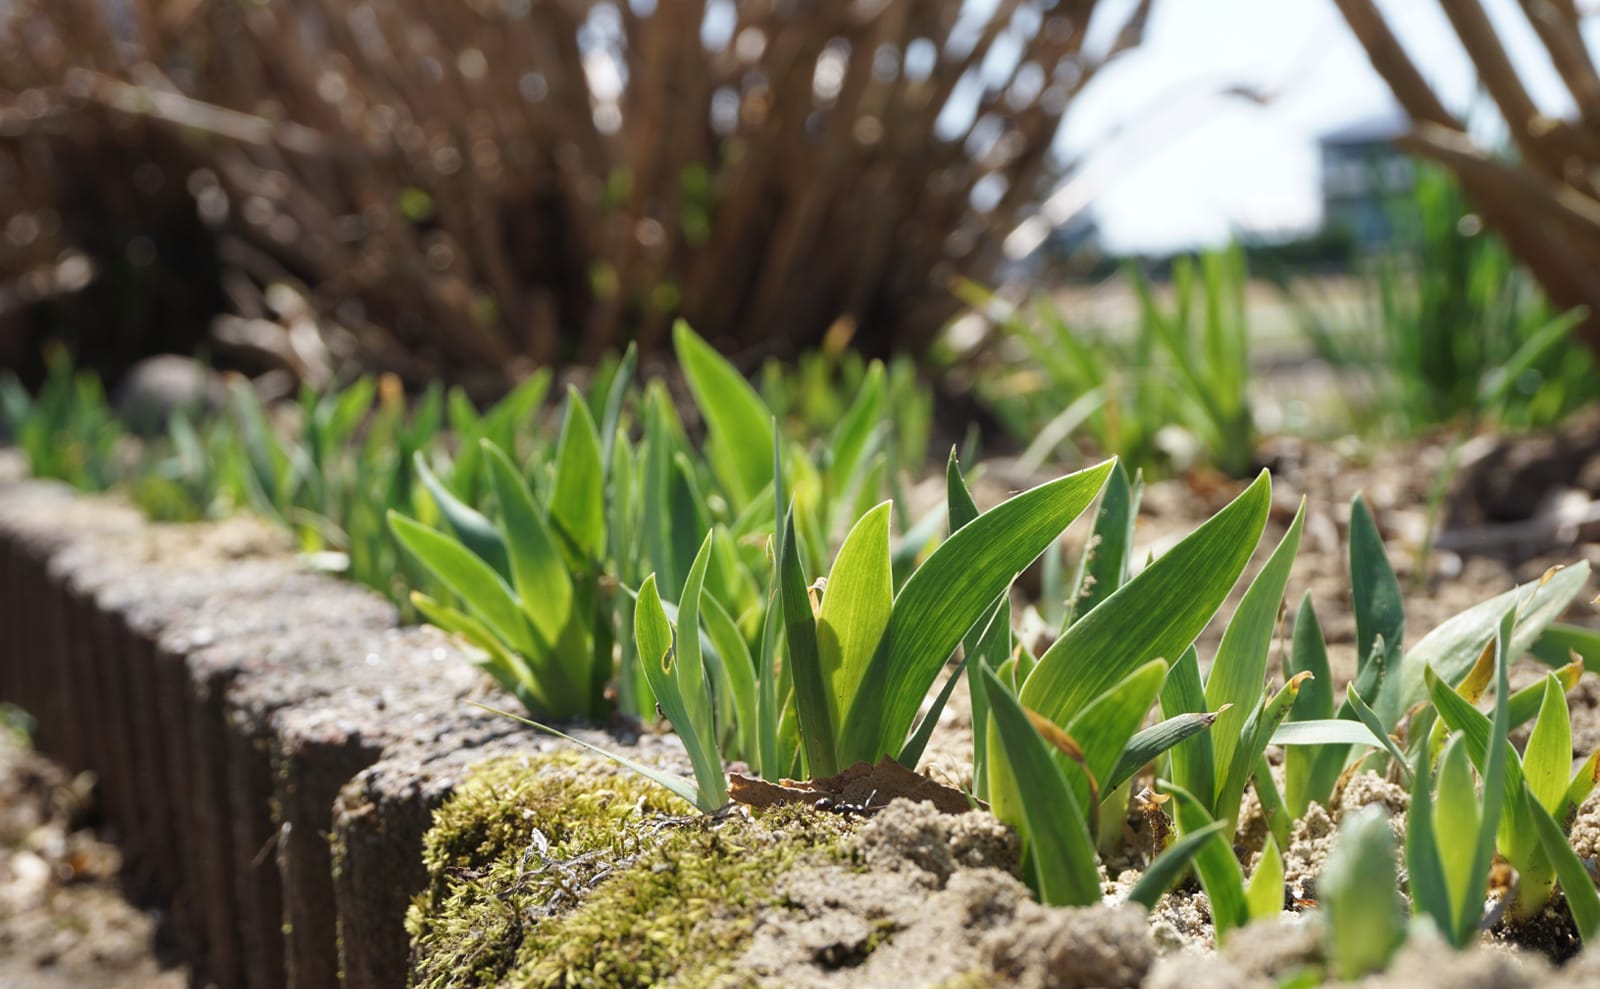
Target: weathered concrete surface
[[223, 696]]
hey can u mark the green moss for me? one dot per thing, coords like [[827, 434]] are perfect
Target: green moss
[[564, 871]]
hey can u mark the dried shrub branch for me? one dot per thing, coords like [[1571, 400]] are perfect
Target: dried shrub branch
[[471, 186], [1546, 202]]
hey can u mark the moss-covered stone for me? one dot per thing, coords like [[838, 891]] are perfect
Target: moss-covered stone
[[562, 870]]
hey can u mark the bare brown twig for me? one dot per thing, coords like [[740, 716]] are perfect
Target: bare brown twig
[[487, 183]]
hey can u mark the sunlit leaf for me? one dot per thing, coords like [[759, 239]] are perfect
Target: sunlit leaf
[[740, 444], [1153, 616], [1065, 866], [946, 596], [855, 608]]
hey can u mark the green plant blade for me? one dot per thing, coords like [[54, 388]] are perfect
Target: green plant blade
[[991, 645], [578, 503], [1497, 779], [1430, 894], [805, 662], [690, 671], [740, 446], [656, 456], [1063, 855], [1150, 743], [1369, 717], [1310, 774], [961, 508], [537, 570], [657, 658], [1170, 865], [513, 676], [1153, 616], [853, 438], [1273, 809], [917, 744], [1451, 649], [855, 608], [1375, 593], [1264, 893], [1105, 564], [616, 395], [1258, 728], [477, 533], [676, 784], [1309, 655], [740, 670], [945, 597], [1191, 760], [1560, 641], [1476, 728], [1214, 862], [1105, 726], [1359, 889], [1238, 676], [1525, 703], [1547, 760], [469, 577], [1456, 820], [1325, 731], [1582, 898], [1583, 784]]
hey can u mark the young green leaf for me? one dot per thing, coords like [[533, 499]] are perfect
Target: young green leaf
[[1153, 616], [578, 504], [1310, 773], [1107, 558], [1430, 893], [1105, 726], [739, 669], [739, 445], [1192, 760], [805, 660], [1457, 821], [1369, 718], [468, 576], [1582, 899], [1375, 590], [1170, 865], [657, 656], [1063, 856], [1331, 731], [476, 533], [1547, 761], [1359, 890], [538, 572], [945, 597], [1451, 649], [676, 784], [616, 395], [689, 670], [516, 678], [855, 608], [1150, 743], [1214, 862], [1238, 675], [1560, 642], [1264, 893]]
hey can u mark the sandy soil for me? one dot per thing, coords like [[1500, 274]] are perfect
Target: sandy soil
[[64, 923]]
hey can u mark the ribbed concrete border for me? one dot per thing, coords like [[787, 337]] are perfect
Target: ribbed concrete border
[[225, 697]]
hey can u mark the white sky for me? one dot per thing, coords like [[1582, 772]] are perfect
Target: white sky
[[1191, 167]]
